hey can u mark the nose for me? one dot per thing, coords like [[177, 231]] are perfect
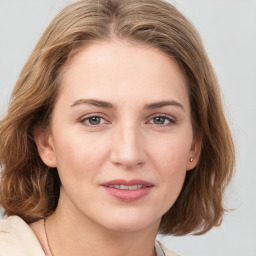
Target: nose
[[128, 148]]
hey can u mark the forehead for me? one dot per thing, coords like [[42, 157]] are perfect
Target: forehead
[[120, 71]]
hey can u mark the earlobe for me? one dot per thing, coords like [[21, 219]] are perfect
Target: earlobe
[[45, 146], [194, 154]]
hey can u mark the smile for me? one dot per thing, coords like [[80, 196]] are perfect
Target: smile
[[124, 187], [128, 190]]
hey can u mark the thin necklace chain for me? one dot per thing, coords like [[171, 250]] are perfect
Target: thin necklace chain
[[47, 240]]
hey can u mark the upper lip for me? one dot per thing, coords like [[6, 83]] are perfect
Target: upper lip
[[127, 182]]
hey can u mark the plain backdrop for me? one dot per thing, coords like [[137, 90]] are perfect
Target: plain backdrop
[[228, 29]]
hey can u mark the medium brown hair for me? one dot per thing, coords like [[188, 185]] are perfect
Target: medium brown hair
[[30, 189]]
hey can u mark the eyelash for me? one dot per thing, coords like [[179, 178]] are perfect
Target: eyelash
[[87, 118], [171, 121]]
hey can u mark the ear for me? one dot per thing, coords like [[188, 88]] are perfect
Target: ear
[[194, 154], [45, 146]]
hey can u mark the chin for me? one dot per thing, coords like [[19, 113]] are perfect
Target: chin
[[134, 224]]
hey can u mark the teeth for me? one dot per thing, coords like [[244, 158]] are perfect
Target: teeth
[[124, 187]]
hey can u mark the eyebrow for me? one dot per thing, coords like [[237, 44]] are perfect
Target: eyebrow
[[164, 103], [96, 103], [105, 104]]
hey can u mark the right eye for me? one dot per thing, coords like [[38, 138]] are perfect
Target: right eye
[[162, 120], [93, 120]]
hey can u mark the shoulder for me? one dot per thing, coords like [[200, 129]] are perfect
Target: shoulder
[[17, 238], [166, 251]]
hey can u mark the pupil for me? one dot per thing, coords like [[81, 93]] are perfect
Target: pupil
[[159, 120], [94, 120]]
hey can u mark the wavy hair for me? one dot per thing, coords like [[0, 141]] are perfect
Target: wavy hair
[[30, 189]]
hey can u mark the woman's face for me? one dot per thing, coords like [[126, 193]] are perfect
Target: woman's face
[[121, 136]]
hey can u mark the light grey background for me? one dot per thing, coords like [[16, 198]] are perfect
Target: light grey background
[[228, 29]]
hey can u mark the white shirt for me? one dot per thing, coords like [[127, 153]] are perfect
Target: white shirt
[[18, 239]]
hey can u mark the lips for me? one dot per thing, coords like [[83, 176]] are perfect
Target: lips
[[128, 190], [124, 187]]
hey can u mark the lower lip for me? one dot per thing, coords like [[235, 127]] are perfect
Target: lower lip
[[128, 195]]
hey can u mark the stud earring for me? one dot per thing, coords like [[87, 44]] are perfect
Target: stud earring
[[191, 159]]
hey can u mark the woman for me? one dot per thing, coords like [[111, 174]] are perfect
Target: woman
[[115, 133]]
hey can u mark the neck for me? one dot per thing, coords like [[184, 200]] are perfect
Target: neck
[[73, 234]]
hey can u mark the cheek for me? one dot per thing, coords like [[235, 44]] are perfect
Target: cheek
[[172, 166], [78, 155], [170, 160], [171, 175], [76, 168], [172, 154]]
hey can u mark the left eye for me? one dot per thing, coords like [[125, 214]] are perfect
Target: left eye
[[161, 120], [93, 120]]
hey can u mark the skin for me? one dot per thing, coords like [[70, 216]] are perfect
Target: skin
[[134, 138]]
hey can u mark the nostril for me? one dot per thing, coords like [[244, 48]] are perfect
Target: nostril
[[127, 147], [127, 160]]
